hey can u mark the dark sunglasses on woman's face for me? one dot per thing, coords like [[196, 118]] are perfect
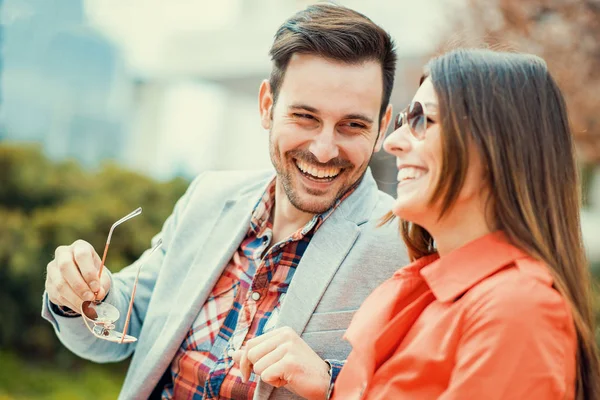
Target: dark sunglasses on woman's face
[[415, 116]]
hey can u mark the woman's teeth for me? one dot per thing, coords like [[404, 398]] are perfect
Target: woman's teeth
[[407, 173]]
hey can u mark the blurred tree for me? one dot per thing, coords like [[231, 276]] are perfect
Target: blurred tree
[[44, 205], [566, 33]]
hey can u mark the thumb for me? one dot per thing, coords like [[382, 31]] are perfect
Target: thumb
[[104, 279], [237, 356], [104, 284]]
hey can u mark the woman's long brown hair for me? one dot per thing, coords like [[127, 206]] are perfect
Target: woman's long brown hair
[[511, 108]]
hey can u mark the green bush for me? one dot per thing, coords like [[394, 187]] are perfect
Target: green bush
[[24, 380], [44, 204]]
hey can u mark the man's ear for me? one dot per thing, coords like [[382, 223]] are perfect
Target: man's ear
[[265, 104], [383, 126]]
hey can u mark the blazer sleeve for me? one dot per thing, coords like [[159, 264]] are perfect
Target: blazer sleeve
[[519, 343], [72, 331]]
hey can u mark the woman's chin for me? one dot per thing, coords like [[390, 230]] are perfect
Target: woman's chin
[[412, 211]]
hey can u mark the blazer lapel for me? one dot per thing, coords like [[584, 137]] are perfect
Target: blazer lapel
[[328, 248], [228, 230], [320, 261]]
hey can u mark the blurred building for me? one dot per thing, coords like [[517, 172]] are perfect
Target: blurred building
[[64, 85], [197, 67], [166, 89]]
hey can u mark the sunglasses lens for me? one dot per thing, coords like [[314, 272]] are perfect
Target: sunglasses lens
[[102, 313], [103, 316], [398, 122], [416, 119]]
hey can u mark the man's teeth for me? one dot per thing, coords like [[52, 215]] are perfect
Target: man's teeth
[[410, 173], [317, 172]]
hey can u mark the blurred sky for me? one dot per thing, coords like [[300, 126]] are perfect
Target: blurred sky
[[146, 29], [219, 50], [166, 88]]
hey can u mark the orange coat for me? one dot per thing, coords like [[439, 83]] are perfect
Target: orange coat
[[482, 322]]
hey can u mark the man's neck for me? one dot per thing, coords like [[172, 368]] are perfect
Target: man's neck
[[286, 218]]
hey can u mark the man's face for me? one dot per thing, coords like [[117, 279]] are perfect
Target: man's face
[[324, 128]]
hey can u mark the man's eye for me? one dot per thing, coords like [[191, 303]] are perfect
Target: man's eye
[[303, 116], [356, 125]]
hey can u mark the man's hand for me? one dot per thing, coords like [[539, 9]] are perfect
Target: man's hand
[[72, 277], [282, 358]]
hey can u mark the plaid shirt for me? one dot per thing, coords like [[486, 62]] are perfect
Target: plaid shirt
[[244, 303]]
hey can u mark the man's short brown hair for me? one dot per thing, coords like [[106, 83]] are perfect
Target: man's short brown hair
[[337, 33]]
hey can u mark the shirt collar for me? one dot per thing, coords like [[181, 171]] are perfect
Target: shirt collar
[[452, 275], [261, 214], [262, 209]]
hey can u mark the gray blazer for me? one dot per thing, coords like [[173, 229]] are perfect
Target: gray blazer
[[346, 259]]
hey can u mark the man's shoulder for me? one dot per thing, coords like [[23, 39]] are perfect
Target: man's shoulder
[[384, 201], [231, 182]]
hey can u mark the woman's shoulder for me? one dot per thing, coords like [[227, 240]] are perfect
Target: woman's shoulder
[[522, 292]]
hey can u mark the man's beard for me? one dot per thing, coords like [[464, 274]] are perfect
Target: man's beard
[[286, 177]]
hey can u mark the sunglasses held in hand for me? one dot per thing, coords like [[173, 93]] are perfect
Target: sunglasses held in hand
[[100, 317]]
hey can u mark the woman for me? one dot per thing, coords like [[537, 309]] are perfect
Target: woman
[[496, 304]]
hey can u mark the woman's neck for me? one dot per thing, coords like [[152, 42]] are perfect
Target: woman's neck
[[459, 227]]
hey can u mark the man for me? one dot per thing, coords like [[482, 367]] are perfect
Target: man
[[287, 257]]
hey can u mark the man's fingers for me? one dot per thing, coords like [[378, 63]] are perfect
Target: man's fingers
[[77, 284], [85, 258], [241, 358], [262, 352], [64, 269], [96, 258], [276, 333], [258, 351], [269, 359], [245, 366], [60, 293], [67, 303], [275, 375], [237, 356], [52, 295]]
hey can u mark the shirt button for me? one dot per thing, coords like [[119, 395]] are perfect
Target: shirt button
[[255, 296], [230, 352]]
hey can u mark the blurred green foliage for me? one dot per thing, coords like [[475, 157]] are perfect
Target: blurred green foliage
[[43, 205], [23, 380]]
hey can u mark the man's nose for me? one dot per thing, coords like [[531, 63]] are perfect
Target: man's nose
[[324, 146]]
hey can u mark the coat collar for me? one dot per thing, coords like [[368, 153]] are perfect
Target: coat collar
[[454, 274], [357, 207]]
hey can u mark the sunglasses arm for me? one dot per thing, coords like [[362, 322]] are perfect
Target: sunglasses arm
[[156, 247]]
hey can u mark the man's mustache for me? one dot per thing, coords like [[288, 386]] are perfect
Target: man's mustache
[[310, 158]]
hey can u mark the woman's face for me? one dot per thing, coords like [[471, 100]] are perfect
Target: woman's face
[[419, 162]]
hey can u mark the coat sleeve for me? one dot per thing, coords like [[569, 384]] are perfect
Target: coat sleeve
[[72, 331]]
